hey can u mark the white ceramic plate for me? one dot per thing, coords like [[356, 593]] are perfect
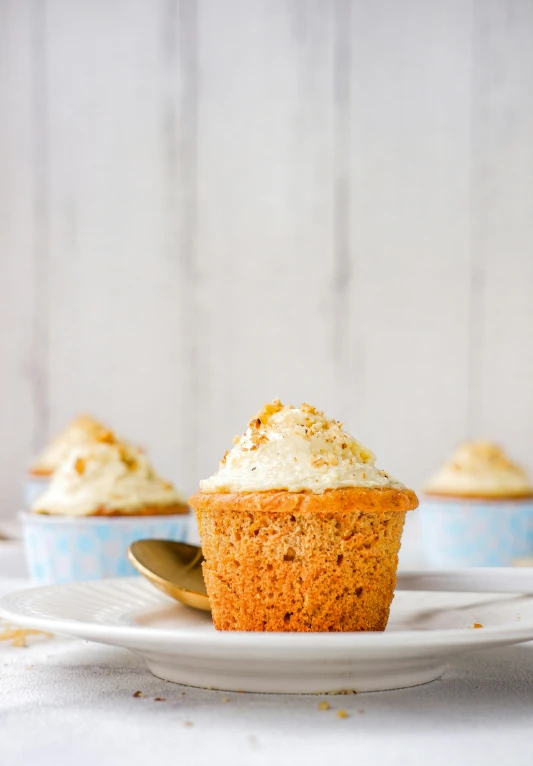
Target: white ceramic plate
[[426, 631]]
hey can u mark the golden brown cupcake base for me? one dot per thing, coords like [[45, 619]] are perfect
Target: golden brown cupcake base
[[283, 561], [152, 510]]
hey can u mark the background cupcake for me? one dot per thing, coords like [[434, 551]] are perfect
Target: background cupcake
[[300, 531], [103, 497], [80, 432], [477, 510]]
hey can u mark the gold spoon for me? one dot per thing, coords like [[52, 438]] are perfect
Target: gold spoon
[[175, 568]]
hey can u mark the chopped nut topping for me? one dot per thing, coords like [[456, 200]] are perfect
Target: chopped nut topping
[[127, 457], [106, 437], [268, 410]]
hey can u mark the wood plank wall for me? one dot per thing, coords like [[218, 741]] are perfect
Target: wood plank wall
[[204, 205]]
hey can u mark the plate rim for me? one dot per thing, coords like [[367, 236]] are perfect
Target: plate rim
[[12, 609]]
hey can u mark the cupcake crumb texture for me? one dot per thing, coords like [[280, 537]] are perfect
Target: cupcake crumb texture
[[480, 469], [296, 449], [107, 476]]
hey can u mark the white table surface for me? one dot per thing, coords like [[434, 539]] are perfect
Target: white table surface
[[69, 701]]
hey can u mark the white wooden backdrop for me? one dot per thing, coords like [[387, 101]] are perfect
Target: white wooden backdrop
[[204, 205]]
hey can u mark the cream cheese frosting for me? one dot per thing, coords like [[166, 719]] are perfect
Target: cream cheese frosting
[[480, 469], [82, 431], [112, 476], [296, 449]]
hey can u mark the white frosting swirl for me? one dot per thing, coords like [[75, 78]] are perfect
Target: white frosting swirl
[[111, 476], [296, 449], [480, 469], [82, 431]]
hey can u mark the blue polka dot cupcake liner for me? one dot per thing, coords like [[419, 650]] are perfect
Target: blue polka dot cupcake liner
[[483, 533], [62, 549]]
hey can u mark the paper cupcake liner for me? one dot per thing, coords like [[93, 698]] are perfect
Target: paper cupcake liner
[[34, 487], [462, 532], [61, 549]]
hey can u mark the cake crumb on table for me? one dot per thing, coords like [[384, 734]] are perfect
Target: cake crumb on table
[[224, 699], [343, 691], [188, 723], [138, 694], [342, 714], [160, 699], [323, 705], [18, 636]]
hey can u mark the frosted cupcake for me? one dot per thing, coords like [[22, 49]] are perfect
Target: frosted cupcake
[[103, 497], [477, 509], [300, 531], [108, 479], [80, 432]]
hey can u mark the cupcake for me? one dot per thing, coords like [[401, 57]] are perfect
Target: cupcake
[[300, 531], [82, 431], [103, 497], [477, 509]]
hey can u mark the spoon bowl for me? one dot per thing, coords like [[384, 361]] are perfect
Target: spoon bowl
[[175, 568]]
